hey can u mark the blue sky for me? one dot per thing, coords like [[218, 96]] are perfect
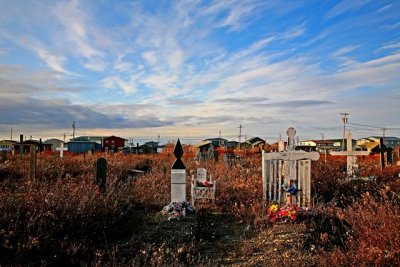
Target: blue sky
[[194, 68]]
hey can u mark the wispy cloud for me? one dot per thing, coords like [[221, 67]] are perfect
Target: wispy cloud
[[345, 7], [385, 7], [74, 22], [197, 62]]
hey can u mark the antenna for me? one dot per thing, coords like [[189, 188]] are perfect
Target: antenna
[[240, 134]]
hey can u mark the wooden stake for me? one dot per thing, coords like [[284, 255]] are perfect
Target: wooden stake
[[32, 163]]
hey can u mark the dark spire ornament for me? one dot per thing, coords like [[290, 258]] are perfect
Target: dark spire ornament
[[178, 152]]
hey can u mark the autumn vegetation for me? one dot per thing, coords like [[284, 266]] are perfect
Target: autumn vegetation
[[63, 218]]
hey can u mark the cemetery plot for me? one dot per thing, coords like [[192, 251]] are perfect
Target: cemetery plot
[[286, 175], [124, 226], [203, 187]]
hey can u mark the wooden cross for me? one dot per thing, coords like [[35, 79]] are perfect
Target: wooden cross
[[62, 149], [351, 156]]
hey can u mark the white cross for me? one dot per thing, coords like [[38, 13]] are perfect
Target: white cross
[[351, 155], [62, 149], [291, 167]]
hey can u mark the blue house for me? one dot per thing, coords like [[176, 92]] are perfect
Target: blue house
[[83, 145]]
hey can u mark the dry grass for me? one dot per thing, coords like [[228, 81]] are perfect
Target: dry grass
[[63, 218]]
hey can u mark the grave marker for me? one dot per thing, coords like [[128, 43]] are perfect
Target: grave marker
[[382, 150], [3, 155], [32, 163], [62, 149], [352, 166], [100, 171], [21, 146], [288, 172], [178, 176]]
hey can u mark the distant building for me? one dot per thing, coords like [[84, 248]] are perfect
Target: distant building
[[216, 142], [113, 143], [26, 146], [54, 143], [256, 142], [83, 144], [7, 145], [232, 145], [388, 141], [326, 144], [96, 139]]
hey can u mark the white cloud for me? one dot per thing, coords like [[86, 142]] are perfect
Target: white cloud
[[344, 7], [53, 62], [385, 7], [150, 57], [75, 23], [115, 82]]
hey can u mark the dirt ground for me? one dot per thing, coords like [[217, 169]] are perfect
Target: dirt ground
[[214, 238]]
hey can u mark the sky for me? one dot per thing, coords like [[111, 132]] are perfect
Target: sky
[[144, 69]]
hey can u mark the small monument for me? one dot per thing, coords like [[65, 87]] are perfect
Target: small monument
[[288, 173], [178, 176], [352, 166], [100, 171]]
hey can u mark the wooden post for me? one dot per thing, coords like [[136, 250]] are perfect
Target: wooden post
[[21, 146], [32, 163], [3, 155], [100, 171], [382, 153]]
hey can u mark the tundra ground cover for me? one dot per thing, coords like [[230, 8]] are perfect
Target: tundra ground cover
[[62, 217]]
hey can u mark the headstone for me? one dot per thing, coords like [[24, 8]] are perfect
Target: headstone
[[100, 171], [32, 163], [352, 167], [3, 155], [288, 173], [61, 149], [178, 176]]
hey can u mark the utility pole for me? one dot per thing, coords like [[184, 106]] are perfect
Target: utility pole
[[322, 136], [11, 134], [240, 135], [383, 132], [64, 137], [73, 129], [344, 120]]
